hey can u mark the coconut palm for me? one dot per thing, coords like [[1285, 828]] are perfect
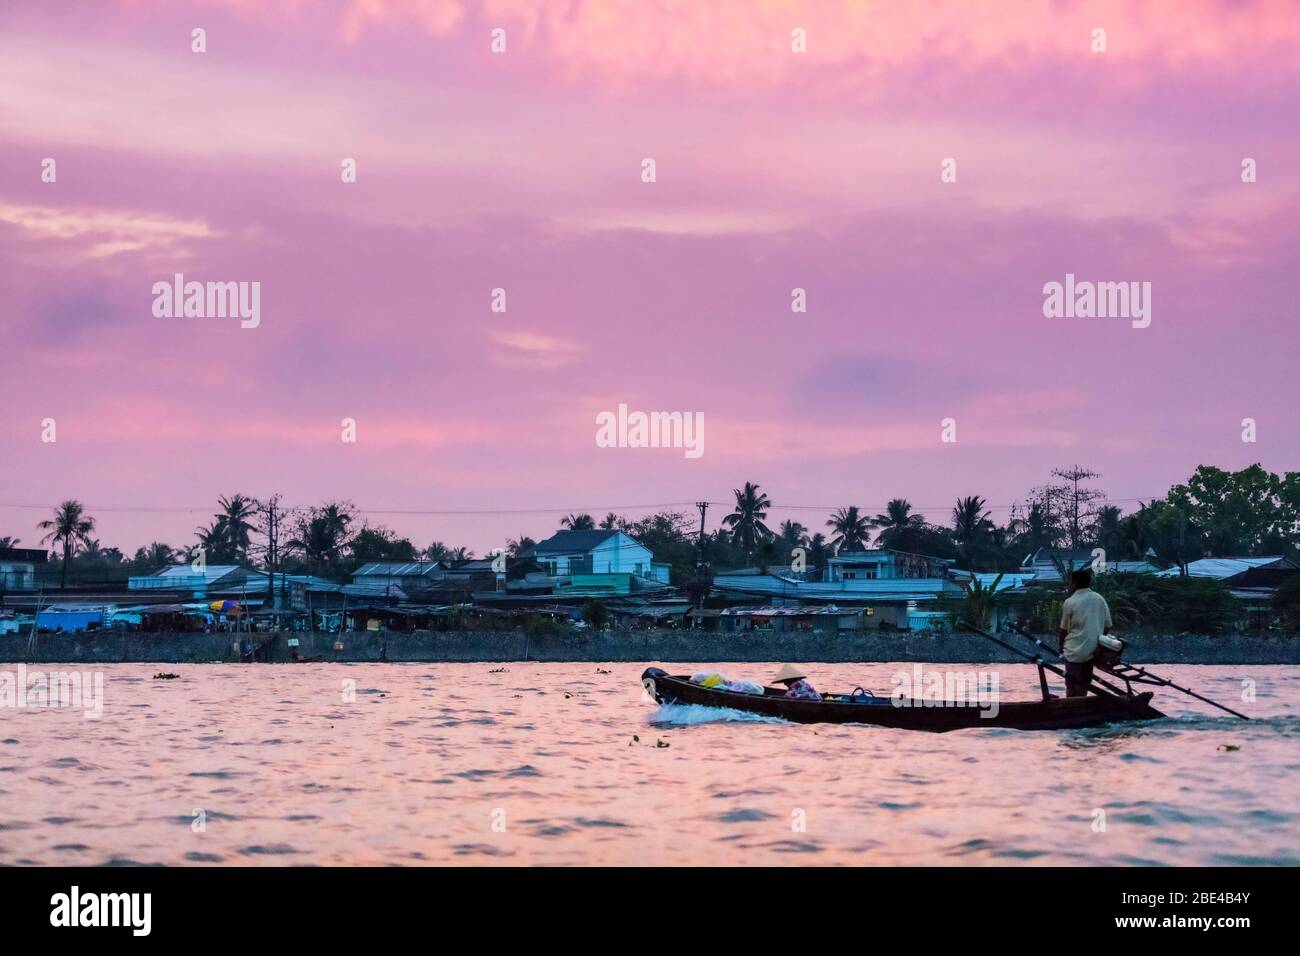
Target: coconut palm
[[792, 535], [212, 540], [69, 529], [323, 534], [234, 517], [227, 537], [445, 553], [747, 521], [851, 528], [582, 522], [515, 547], [818, 550], [1039, 528], [971, 529], [155, 557], [1109, 531], [611, 522], [8, 542], [437, 551], [899, 528], [338, 518]]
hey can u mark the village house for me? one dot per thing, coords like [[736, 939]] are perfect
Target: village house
[[1252, 580], [20, 567], [1234, 571], [426, 582], [1042, 564], [189, 582], [571, 568], [385, 579], [568, 553], [885, 587], [182, 583]]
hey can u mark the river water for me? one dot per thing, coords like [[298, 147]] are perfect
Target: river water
[[569, 764]]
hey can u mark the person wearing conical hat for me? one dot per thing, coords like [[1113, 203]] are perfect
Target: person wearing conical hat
[[796, 683]]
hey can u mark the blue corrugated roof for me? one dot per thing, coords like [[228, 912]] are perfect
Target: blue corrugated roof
[[397, 569], [569, 542]]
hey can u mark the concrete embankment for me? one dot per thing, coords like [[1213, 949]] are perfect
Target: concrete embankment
[[628, 646]]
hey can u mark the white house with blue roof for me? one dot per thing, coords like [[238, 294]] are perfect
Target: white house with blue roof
[[567, 553]]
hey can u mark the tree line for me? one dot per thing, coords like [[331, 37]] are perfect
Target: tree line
[[1215, 513]]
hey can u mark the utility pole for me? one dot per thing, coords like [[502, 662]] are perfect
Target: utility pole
[[1079, 501], [271, 517], [703, 506]]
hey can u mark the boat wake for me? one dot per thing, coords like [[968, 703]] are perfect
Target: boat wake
[[688, 715]]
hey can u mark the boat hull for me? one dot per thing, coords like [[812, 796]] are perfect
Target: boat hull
[[1055, 714]]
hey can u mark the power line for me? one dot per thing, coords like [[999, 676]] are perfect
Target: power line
[[920, 508], [205, 509], [565, 509]]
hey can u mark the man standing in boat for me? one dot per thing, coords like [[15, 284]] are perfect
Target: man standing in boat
[[1085, 617]]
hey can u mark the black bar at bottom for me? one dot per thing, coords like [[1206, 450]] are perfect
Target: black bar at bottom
[[517, 906]]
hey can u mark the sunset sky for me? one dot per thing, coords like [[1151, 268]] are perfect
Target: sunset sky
[[522, 170]]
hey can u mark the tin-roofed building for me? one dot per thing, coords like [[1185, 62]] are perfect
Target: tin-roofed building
[[1229, 570], [596, 552], [1043, 564], [407, 575], [185, 577], [884, 585], [19, 568]]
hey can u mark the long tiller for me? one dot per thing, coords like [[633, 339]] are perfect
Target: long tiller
[[1132, 674], [1098, 686]]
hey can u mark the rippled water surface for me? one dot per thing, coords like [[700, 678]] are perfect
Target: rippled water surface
[[568, 764]]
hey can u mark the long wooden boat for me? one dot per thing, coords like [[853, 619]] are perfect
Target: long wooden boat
[[1047, 714]]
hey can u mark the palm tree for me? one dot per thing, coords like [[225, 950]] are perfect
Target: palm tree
[[8, 542], [233, 518], [322, 535], [212, 540], [227, 537], [747, 521], [611, 522], [899, 528], [446, 554], [851, 529], [980, 600], [92, 550], [155, 557], [69, 527], [582, 522], [1109, 531], [517, 546], [792, 535], [161, 555], [971, 528], [1039, 528], [437, 551], [818, 550]]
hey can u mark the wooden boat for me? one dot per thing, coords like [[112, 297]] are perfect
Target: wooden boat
[[1048, 714]]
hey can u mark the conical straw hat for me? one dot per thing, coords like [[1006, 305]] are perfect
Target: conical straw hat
[[788, 672]]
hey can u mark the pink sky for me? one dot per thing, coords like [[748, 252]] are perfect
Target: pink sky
[[522, 170]]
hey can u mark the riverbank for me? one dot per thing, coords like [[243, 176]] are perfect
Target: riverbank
[[610, 646]]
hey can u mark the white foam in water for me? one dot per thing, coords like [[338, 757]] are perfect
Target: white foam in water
[[685, 715]]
